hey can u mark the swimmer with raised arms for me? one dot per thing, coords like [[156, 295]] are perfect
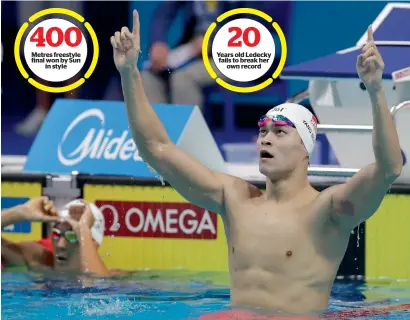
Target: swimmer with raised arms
[[285, 244]]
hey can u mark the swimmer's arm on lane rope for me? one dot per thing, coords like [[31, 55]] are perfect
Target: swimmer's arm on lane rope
[[359, 198]]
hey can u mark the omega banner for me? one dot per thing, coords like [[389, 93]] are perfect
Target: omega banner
[[154, 227]]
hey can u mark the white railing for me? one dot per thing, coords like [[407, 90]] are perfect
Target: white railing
[[324, 128], [251, 172]]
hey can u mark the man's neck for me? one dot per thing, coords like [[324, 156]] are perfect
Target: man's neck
[[288, 189]]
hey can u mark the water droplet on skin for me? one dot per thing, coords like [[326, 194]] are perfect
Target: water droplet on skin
[[358, 236], [154, 173]]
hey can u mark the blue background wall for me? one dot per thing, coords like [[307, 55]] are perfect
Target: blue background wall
[[317, 28]]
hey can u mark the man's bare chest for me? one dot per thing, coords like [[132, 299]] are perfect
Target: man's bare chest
[[271, 238]]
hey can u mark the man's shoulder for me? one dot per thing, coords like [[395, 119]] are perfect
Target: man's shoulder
[[238, 187], [326, 193]]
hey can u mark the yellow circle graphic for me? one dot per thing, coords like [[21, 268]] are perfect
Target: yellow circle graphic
[[23, 29], [223, 83]]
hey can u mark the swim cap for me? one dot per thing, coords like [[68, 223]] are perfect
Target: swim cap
[[98, 228], [304, 121]]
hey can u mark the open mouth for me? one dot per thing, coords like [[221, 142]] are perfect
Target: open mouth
[[265, 155], [61, 259]]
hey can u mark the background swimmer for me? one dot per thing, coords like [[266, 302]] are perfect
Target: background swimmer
[[77, 233]]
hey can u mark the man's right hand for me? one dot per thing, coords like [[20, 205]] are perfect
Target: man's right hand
[[39, 209], [126, 45]]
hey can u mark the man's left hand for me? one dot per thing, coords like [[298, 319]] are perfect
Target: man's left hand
[[87, 219], [370, 64]]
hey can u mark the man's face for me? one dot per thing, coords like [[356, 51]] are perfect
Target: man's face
[[66, 247], [280, 147], [65, 242]]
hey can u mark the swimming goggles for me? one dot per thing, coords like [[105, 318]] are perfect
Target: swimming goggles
[[277, 120], [69, 235]]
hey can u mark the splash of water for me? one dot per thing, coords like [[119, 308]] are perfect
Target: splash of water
[[102, 307]]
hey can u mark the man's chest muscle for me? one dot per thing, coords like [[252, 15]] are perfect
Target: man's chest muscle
[[271, 239]]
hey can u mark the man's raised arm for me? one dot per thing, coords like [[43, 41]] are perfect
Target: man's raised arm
[[188, 176], [357, 199]]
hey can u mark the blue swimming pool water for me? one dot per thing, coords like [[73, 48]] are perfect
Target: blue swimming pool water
[[152, 295]]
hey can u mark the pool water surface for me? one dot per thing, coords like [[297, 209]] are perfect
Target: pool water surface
[[149, 295]]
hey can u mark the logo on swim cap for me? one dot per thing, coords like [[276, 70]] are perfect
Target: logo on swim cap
[[277, 109], [312, 134]]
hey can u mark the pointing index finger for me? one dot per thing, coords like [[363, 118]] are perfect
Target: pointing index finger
[[136, 23], [370, 33]]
